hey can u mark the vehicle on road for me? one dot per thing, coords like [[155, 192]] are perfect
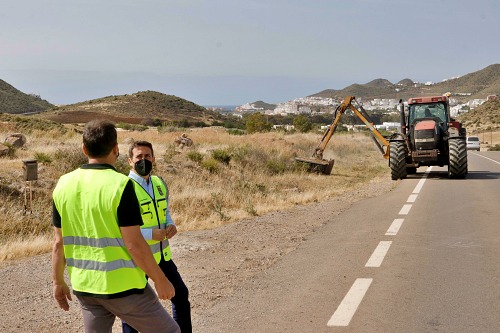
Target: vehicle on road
[[473, 143], [428, 136]]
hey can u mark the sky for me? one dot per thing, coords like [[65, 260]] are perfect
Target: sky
[[231, 52]]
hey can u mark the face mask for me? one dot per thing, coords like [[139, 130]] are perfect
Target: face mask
[[143, 167]]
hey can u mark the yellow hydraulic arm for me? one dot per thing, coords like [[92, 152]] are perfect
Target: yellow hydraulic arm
[[326, 166]]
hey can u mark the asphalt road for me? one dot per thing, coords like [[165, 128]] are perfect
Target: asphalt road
[[423, 258]]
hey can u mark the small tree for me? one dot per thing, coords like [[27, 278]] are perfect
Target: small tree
[[302, 123], [257, 122]]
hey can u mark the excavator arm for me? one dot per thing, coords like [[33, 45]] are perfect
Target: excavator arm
[[317, 162]]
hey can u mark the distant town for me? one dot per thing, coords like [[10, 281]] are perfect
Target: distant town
[[318, 105]]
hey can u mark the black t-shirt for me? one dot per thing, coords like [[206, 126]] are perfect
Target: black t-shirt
[[129, 213]]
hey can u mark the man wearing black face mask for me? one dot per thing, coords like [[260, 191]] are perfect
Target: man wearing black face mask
[[157, 227]]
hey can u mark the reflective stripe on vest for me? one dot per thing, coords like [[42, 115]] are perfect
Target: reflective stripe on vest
[[154, 215], [97, 258]]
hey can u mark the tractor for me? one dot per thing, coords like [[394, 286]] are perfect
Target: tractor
[[428, 136]]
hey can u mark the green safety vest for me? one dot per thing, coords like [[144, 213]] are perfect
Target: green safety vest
[[97, 259], [154, 215]]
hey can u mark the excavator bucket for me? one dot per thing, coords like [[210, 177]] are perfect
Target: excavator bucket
[[316, 165]]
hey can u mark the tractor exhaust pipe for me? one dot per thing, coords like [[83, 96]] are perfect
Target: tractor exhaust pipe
[[403, 118]]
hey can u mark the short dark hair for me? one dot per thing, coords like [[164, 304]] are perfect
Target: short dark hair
[[137, 144], [99, 137]]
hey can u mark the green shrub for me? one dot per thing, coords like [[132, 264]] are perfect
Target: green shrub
[[43, 157], [495, 148], [211, 165], [235, 131], [195, 156], [275, 167], [221, 155]]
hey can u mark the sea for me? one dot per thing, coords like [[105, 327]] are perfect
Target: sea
[[221, 108]]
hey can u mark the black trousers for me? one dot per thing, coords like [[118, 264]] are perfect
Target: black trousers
[[181, 308]]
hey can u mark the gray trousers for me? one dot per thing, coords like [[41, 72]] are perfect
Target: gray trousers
[[144, 312]]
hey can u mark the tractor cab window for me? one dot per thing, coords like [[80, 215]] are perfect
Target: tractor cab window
[[435, 110]]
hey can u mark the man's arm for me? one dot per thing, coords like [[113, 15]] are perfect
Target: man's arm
[[171, 228], [143, 257], [60, 289]]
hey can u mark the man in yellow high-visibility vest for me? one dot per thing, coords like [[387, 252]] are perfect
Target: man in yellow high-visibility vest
[[158, 227], [97, 218]]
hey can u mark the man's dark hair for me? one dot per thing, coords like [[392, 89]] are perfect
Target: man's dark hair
[[99, 138], [137, 144]]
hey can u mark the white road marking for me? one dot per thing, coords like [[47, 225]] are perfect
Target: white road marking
[[350, 303], [394, 228], [487, 158], [379, 254], [405, 210], [419, 186], [422, 181], [412, 198]]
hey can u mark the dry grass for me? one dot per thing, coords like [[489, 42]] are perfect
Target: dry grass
[[257, 176]]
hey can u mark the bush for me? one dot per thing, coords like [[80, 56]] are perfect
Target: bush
[[43, 157], [275, 167], [211, 165], [195, 156], [221, 155], [495, 148], [235, 131]]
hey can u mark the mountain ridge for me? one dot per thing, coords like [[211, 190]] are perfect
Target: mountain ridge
[[474, 85]]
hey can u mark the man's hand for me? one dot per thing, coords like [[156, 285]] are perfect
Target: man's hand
[[159, 234], [164, 288], [171, 231], [62, 294]]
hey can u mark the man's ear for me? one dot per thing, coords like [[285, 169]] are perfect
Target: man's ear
[[85, 150]]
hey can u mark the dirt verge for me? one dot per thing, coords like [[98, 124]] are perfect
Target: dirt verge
[[212, 262]]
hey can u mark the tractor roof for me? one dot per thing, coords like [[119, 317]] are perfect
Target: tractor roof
[[427, 100]]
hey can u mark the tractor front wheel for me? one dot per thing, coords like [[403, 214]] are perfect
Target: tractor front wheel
[[397, 160], [457, 164]]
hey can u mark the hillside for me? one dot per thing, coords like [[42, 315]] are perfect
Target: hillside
[[478, 84], [483, 118], [135, 109], [15, 102]]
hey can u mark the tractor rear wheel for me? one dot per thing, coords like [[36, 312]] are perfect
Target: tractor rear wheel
[[457, 164], [397, 160]]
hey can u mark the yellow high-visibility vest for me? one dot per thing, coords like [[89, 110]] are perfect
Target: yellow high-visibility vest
[[97, 259], [154, 215]]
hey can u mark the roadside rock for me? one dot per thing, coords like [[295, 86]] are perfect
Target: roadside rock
[[16, 140]]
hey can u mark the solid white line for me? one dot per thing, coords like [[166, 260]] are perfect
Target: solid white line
[[487, 158], [405, 210], [379, 254], [412, 198], [350, 303], [394, 228]]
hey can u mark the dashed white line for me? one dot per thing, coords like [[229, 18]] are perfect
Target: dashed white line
[[422, 181], [379, 254], [405, 209], [412, 198], [394, 228], [350, 303]]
